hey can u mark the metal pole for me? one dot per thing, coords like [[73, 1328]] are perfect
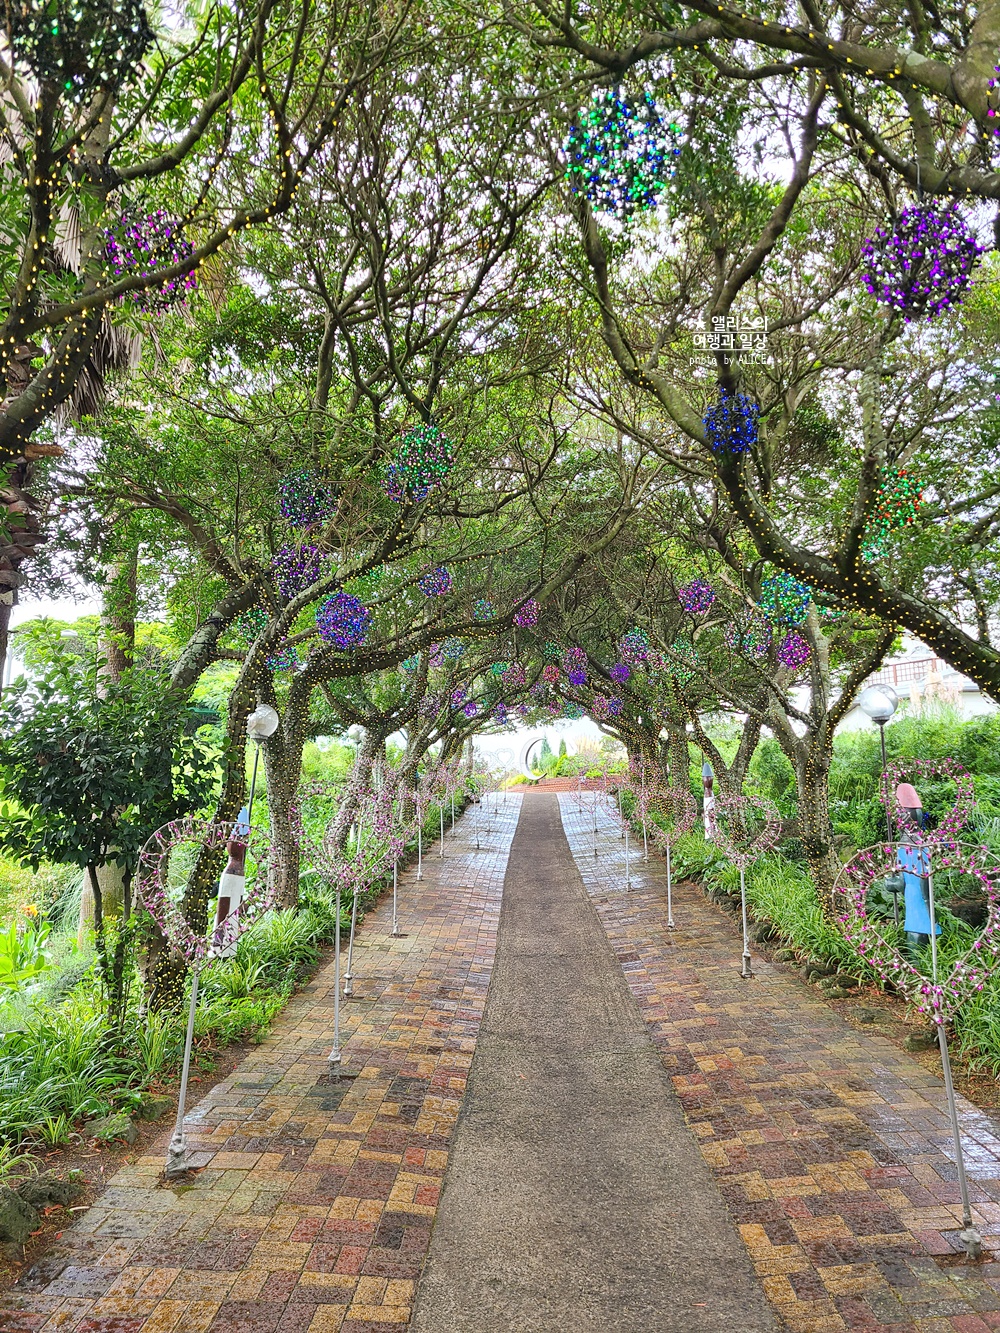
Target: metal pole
[[420, 844], [177, 1149], [746, 973], [348, 976], [628, 864], [334, 1056], [642, 787], [395, 890], [441, 813], [253, 781], [621, 814], [670, 904], [969, 1235], [453, 812]]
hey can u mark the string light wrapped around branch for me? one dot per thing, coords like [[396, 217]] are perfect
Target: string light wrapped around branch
[[141, 243], [924, 265], [526, 616], [436, 582], [793, 650], [344, 621], [784, 599], [696, 597], [621, 152], [424, 458], [306, 498], [750, 635], [732, 424], [295, 568]]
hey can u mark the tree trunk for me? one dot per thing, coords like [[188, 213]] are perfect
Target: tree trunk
[[282, 773], [111, 882], [117, 631], [812, 777]]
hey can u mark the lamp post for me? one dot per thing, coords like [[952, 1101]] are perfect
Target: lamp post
[[261, 724], [879, 703]]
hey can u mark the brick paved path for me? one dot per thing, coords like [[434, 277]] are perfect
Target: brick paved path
[[830, 1145], [315, 1204]]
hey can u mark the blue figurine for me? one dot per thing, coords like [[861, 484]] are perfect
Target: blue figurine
[[914, 860]]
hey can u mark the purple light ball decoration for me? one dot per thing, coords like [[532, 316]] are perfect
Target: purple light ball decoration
[[424, 458], [284, 658], [696, 597], [436, 582], [482, 610], [295, 568], [620, 673], [429, 705], [514, 677], [435, 655], [925, 264], [577, 676], [344, 621], [457, 697], [732, 424], [140, 244], [793, 651], [305, 498], [500, 711], [599, 707], [634, 647], [527, 615], [471, 708], [574, 659]]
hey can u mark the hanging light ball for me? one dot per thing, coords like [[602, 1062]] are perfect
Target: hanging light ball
[[250, 623], [76, 47], [457, 697], [141, 243], [577, 676], [500, 711], [551, 651], [897, 500], [793, 650], [573, 711], [683, 660], [696, 597], [620, 673], [284, 658], [514, 676], [750, 635], [732, 424], [471, 708], [784, 599], [614, 706], [410, 663], [599, 706], [436, 582], [574, 659], [435, 655], [424, 458], [482, 610], [550, 674], [295, 568], [343, 620], [453, 649], [498, 668], [305, 498], [621, 152], [925, 264], [634, 647], [527, 614]]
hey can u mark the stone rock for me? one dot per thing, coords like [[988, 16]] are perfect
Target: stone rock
[[920, 1041], [40, 1191], [866, 1015], [785, 956], [848, 982], [108, 1127], [835, 993], [155, 1108], [17, 1217]]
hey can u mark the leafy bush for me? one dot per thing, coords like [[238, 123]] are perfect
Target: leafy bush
[[22, 954]]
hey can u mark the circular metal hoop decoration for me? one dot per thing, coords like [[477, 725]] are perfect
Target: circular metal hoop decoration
[[152, 882], [939, 1000], [913, 770], [744, 853], [676, 804]]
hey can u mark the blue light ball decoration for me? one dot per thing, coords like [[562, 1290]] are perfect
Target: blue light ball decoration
[[925, 264], [284, 658], [471, 708], [614, 706], [784, 600], [295, 568], [251, 623], [732, 424], [498, 668], [577, 676], [453, 649], [483, 611], [424, 458], [696, 597], [621, 153], [305, 498], [436, 582], [344, 621], [620, 673], [634, 646]]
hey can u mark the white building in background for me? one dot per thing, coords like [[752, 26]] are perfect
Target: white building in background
[[924, 683]]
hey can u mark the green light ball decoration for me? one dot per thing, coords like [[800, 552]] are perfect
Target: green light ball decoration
[[410, 664], [732, 424], [251, 623], [306, 498], [784, 599], [750, 635], [551, 651], [343, 621], [573, 711], [683, 660], [621, 152], [498, 668], [284, 658], [482, 610], [897, 501], [78, 46], [424, 458]]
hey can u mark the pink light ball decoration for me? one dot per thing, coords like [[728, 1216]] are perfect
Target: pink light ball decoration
[[153, 889], [344, 621], [550, 674], [527, 614], [142, 243], [793, 651], [620, 673], [514, 676], [305, 498], [735, 809], [696, 597], [599, 706], [295, 568], [574, 659], [968, 974], [436, 582], [918, 770], [925, 264]]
